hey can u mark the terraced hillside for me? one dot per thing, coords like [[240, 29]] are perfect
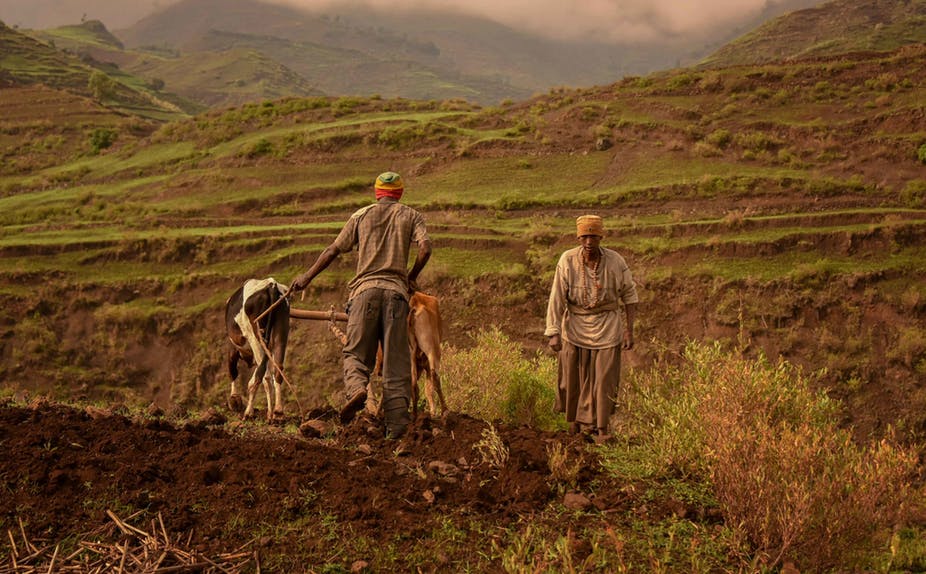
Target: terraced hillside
[[778, 208], [774, 210], [26, 61], [833, 28]]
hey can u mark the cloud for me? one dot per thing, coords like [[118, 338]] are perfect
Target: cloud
[[620, 21], [607, 20]]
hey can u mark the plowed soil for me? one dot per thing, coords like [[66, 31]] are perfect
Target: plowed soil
[[214, 482]]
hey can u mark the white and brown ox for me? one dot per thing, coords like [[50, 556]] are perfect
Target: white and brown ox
[[246, 304]]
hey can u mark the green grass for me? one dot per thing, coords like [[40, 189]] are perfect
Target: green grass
[[473, 263], [801, 267], [489, 183]]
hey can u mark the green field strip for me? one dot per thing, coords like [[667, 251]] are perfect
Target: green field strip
[[798, 266], [494, 182], [364, 122], [768, 235], [117, 235], [152, 155], [877, 217], [471, 263]]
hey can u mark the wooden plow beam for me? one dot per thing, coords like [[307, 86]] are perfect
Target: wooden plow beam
[[317, 315], [330, 316]]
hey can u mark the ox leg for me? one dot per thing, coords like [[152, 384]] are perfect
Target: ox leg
[[432, 386], [269, 380], [234, 398], [279, 355], [415, 375], [257, 377]]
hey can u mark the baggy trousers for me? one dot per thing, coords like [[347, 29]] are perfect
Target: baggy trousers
[[588, 383], [380, 315]]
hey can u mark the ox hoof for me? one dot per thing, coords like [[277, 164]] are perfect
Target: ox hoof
[[235, 404]]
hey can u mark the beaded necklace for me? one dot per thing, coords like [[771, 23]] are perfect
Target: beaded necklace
[[589, 284]]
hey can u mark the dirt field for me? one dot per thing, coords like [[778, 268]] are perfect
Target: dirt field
[[63, 469]]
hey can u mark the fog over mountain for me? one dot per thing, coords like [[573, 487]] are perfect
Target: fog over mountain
[[618, 21], [623, 21]]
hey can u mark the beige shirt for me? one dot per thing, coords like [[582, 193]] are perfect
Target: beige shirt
[[602, 326], [382, 233]]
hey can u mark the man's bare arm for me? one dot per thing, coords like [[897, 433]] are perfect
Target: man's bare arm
[[324, 259], [424, 253]]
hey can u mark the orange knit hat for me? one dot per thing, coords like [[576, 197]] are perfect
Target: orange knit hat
[[589, 225]]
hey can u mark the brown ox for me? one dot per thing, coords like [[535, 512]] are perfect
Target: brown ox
[[424, 339], [244, 344]]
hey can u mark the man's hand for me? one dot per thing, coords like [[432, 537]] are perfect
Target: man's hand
[[299, 283], [628, 340], [555, 343]]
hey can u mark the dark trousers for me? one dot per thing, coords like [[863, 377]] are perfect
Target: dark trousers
[[380, 316]]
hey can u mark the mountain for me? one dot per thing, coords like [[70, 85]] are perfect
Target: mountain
[[343, 71], [427, 54], [218, 77], [836, 27], [224, 78], [337, 57], [25, 61]]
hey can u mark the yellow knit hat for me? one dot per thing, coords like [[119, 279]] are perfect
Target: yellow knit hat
[[589, 225], [389, 180]]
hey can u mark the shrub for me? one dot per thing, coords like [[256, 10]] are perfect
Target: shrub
[[681, 80], [261, 147], [719, 138], [711, 82], [790, 481], [491, 448], [921, 154], [101, 138], [914, 193], [704, 149], [494, 381], [910, 347], [757, 141]]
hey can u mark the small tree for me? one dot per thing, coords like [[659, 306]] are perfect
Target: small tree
[[102, 86]]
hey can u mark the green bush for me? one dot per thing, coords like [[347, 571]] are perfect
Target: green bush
[[262, 147], [784, 473], [494, 381], [914, 193], [921, 153], [102, 138], [719, 138]]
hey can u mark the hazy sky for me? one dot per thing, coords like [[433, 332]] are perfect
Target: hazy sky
[[625, 20], [601, 19]]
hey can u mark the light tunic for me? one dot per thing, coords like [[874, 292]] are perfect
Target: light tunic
[[382, 233], [602, 326], [590, 360]]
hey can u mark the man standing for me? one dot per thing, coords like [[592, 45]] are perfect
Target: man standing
[[586, 329], [382, 233]]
